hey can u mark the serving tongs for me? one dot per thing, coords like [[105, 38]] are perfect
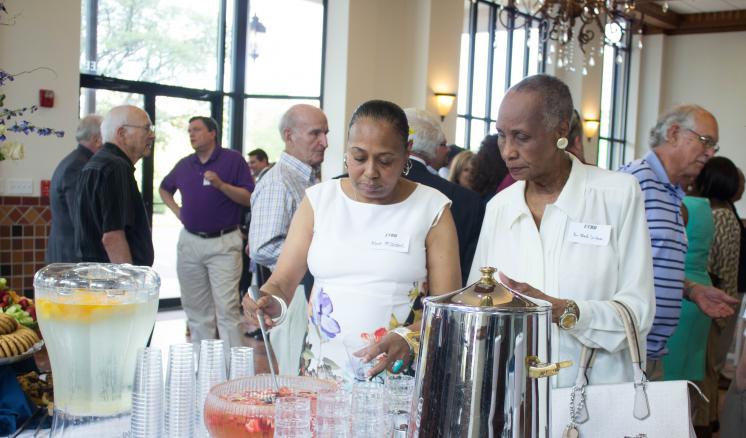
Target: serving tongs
[[254, 291]]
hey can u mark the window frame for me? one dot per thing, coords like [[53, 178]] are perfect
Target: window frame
[[494, 23], [236, 98], [618, 115]]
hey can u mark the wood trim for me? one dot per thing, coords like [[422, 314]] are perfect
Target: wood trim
[[670, 23], [708, 22]]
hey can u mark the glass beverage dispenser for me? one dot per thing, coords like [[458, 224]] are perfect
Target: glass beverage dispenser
[[94, 317]]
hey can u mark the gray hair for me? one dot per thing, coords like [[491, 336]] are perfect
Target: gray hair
[[682, 115], [425, 132], [89, 127], [555, 94], [114, 119]]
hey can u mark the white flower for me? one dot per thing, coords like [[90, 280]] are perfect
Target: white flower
[[12, 150]]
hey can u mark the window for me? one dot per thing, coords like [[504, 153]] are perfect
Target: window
[[181, 58], [612, 137], [493, 58]]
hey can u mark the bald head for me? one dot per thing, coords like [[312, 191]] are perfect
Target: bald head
[[130, 129], [303, 129]]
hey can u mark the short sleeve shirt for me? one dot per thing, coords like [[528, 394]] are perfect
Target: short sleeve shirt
[[204, 208], [109, 200]]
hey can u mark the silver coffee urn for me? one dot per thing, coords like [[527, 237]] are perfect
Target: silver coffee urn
[[481, 370]]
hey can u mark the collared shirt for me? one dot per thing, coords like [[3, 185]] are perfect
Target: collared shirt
[[427, 166], [62, 193], [273, 204], [591, 272], [668, 238], [203, 207], [109, 200]]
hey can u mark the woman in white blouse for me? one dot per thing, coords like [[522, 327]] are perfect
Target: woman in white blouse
[[567, 233]]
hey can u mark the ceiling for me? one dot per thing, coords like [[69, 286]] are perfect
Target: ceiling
[[693, 16], [697, 6]]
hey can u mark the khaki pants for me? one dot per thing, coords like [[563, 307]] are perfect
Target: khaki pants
[[209, 271]]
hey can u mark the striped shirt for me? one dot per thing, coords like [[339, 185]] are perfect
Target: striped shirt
[[668, 238], [275, 199]]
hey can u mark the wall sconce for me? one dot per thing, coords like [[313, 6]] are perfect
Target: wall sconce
[[444, 102], [256, 36], [590, 127]]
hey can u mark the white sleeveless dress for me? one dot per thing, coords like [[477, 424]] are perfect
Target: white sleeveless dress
[[369, 267]]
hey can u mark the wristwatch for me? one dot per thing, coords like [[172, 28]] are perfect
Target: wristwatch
[[569, 316]]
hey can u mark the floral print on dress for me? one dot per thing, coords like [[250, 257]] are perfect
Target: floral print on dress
[[322, 309]]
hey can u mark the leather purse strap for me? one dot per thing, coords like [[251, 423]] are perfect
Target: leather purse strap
[[587, 356]]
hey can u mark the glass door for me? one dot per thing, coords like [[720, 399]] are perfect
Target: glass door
[[171, 145]]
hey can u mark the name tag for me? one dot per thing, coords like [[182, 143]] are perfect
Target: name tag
[[205, 182], [397, 242], [589, 234]]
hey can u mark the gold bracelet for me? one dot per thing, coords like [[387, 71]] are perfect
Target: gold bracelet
[[410, 337]]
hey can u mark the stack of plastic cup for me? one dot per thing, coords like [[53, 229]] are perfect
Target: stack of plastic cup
[[369, 410], [333, 414], [211, 371], [400, 389], [293, 417], [242, 362], [180, 392], [147, 394]]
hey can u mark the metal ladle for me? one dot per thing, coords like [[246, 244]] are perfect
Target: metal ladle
[[254, 291]]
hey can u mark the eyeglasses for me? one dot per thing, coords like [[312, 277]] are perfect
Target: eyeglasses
[[707, 141], [150, 128]]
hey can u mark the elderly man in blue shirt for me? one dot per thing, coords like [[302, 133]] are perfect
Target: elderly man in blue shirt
[[682, 141]]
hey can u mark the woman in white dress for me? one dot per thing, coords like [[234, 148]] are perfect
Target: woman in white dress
[[374, 243]]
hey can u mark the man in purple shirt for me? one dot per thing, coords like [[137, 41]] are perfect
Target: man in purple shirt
[[215, 184]]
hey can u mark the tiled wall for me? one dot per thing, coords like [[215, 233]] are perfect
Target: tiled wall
[[24, 227]]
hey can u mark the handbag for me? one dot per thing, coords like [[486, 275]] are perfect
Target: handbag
[[638, 409]]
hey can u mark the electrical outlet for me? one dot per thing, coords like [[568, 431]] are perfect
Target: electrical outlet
[[19, 187]]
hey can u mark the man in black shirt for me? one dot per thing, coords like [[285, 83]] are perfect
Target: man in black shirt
[[111, 224], [64, 189]]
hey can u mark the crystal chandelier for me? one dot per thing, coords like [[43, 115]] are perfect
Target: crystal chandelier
[[588, 24]]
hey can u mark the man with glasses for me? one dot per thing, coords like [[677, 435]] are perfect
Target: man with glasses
[[110, 221], [215, 184], [682, 141]]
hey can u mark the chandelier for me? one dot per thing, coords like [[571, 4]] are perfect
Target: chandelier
[[587, 24]]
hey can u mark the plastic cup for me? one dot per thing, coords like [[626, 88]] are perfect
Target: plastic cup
[[369, 410], [400, 389], [333, 414], [293, 417], [242, 362], [180, 392], [147, 394], [211, 371], [353, 343]]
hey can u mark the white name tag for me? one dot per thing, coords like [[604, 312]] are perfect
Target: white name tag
[[390, 242], [589, 234], [205, 182]]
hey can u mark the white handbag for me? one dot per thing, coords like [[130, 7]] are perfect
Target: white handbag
[[639, 409]]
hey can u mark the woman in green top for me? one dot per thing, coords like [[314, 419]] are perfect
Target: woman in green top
[[688, 345]]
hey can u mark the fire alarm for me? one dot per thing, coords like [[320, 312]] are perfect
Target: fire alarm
[[46, 98]]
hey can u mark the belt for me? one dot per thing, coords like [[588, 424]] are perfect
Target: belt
[[214, 234]]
